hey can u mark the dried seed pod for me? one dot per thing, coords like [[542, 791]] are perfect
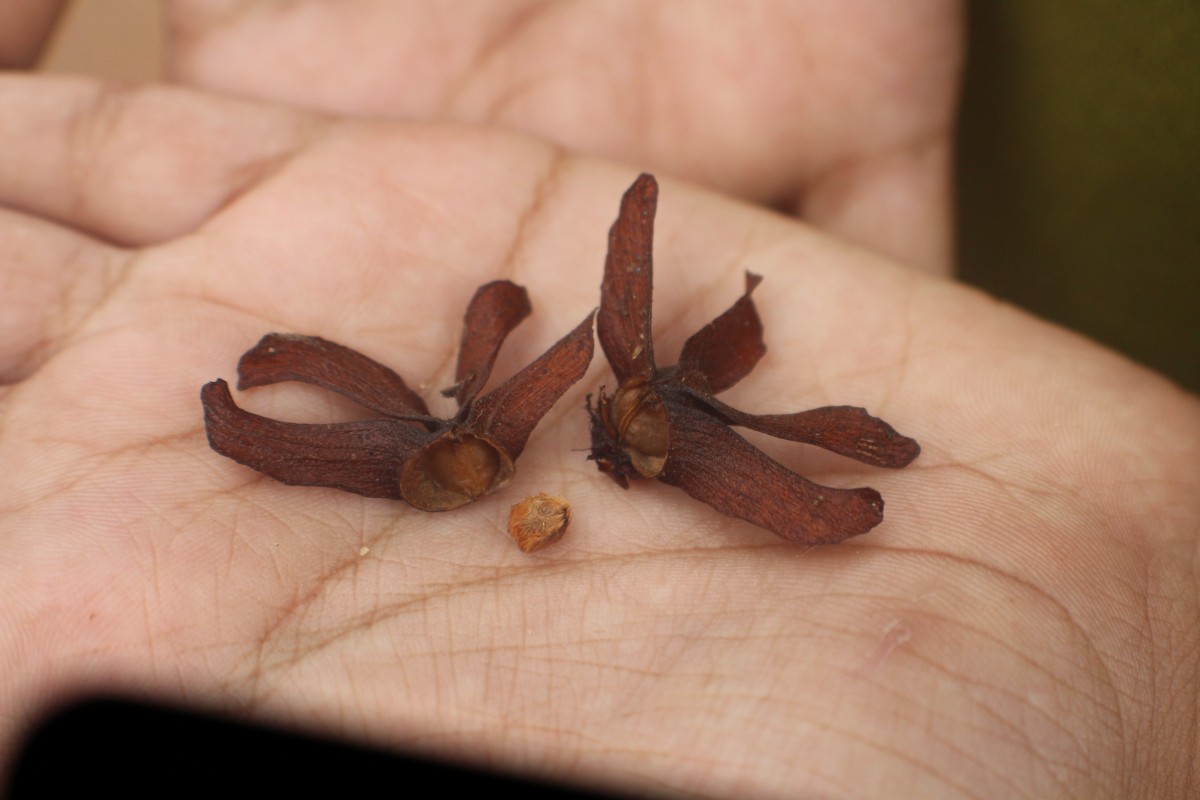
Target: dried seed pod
[[538, 521], [434, 464], [666, 424]]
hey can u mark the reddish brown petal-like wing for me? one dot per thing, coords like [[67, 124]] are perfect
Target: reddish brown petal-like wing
[[494, 311], [509, 413], [716, 466], [845, 430], [726, 349], [623, 325], [361, 457], [309, 359]]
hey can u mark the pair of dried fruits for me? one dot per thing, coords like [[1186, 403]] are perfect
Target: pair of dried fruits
[[434, 464], [660, 423]]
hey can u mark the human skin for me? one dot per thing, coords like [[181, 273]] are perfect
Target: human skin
[[840, 112], [1025, 621]]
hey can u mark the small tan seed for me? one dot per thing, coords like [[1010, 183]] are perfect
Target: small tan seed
[[538, 521]]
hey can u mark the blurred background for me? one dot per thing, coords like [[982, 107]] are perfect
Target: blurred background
[[1079, 169], [1078, 163]]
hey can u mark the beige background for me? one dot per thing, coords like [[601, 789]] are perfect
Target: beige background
[[1078, 167], [119, 39]]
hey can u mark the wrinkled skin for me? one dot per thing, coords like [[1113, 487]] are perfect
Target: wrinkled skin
[[840, 112], [1026, 620]]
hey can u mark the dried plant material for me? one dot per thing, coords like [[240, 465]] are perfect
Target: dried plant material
[[538, 521], [434, 464], [666, 423]]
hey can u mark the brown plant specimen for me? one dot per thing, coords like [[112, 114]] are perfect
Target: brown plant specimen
[[666, 424], [434, 464]]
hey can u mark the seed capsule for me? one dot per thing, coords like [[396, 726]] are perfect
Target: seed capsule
[[538, 521]]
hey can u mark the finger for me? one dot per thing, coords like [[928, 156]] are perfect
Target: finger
[[869, 82], [132, 165], [51, 279], [24, 29], [897, 203]]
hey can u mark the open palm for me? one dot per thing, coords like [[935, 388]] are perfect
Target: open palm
[[1025, 620]]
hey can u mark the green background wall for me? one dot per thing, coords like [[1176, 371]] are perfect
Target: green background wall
[[1079, 169]]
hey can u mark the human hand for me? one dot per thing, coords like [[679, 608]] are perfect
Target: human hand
[[839, 112], [1024, 621]]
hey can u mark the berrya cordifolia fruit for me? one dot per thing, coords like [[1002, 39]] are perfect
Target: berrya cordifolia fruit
[[434, 464], [666, 423]]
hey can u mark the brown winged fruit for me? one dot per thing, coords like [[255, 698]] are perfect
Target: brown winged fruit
[[434, 464], [667, 424]]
